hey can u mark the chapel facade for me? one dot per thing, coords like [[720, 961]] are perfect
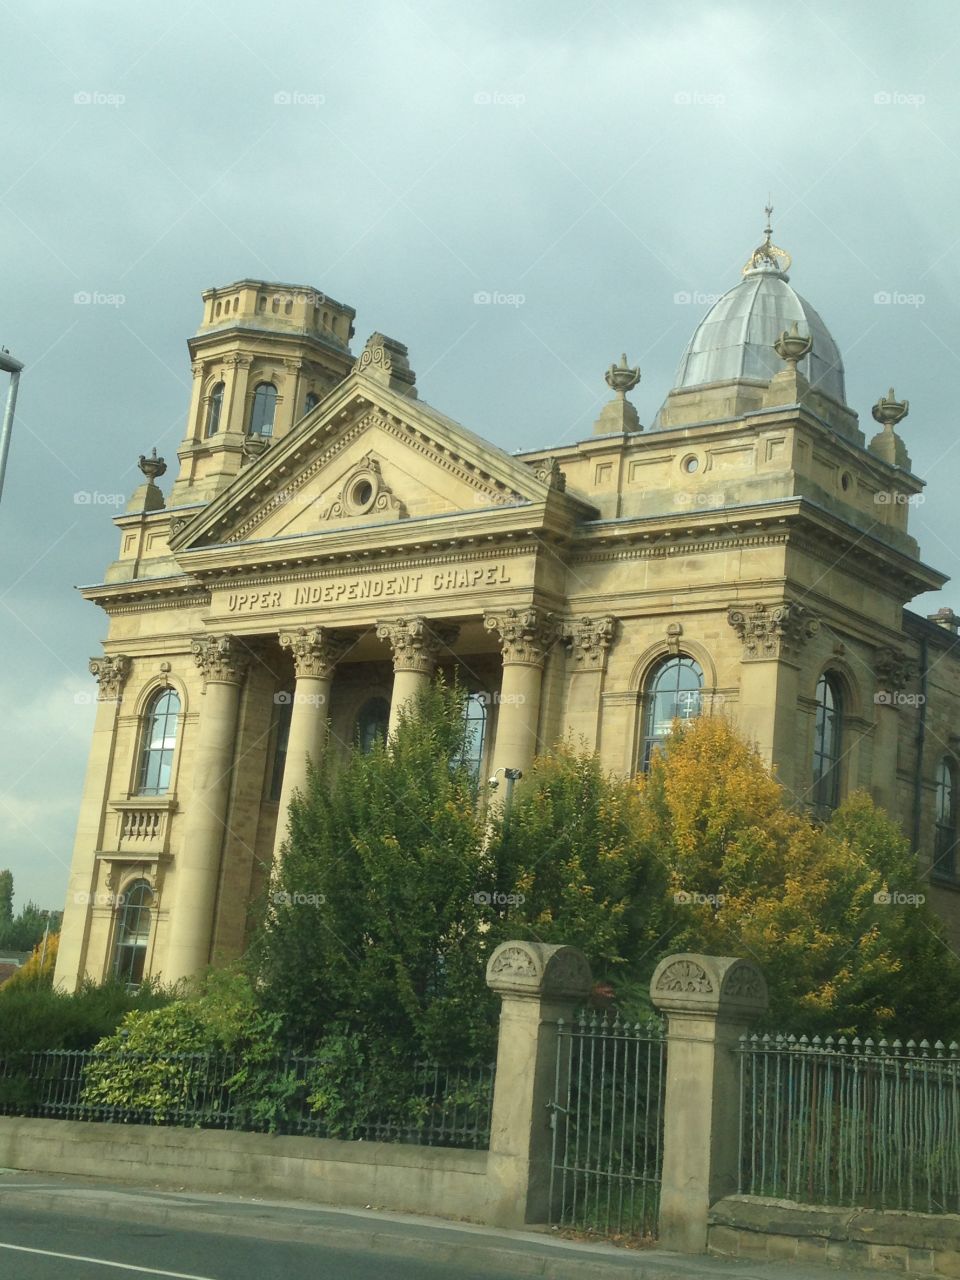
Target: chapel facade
[[331, 541]]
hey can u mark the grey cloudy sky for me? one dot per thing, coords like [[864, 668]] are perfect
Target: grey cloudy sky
[[606, 161]]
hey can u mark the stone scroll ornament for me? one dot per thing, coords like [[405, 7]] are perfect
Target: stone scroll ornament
[[111, 672], [221, 658], [515, 961], [744, 983], [416, 642], [526, 635], [315, 650], [772, 631], [589, 639], [893, 669]]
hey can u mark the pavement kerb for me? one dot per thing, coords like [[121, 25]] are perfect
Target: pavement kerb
[[498, 1259], [575, 1264]]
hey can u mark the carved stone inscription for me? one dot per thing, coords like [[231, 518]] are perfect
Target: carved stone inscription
[[369, 586]]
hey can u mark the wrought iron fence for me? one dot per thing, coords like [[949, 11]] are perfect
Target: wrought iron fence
[[607, 1117], [859, 1123], [441, 1106]]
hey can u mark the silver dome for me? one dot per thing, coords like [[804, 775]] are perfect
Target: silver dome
[[734, 340]]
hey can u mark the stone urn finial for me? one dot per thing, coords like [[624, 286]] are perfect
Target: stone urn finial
[[621, 378], [792, 346], [152, 467], [888, 410]]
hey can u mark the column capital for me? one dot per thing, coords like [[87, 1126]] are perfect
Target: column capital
[[416, 642], [526, 635], [316, 650], [222, 659], [111, 672], [589, 639], [772, 631], [893, 670]]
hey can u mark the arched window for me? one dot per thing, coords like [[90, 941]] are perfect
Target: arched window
[[672, 693], [133, 933], [827, 743], [159, 741], [945, 836], [475, 732], [264, 408], [372, 722], [214, 407], [311, 401]]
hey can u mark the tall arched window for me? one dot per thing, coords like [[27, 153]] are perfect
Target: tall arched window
[[475, 732], [945, 835], [133, 933], [158, 743], [827, 743], [263, 410], [372, 722], [214, 408], [672, 693]]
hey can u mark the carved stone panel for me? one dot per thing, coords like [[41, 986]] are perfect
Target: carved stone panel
[[538, 970], [700, 985]]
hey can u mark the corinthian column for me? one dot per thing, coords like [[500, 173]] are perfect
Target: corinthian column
[[526, 637], [416, 645], [315, 651], [223, 661]]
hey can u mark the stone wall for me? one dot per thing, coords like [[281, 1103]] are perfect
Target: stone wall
[[431, 1180], [759, 1227]]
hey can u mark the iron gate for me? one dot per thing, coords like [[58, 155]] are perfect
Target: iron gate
[[607, 1119]]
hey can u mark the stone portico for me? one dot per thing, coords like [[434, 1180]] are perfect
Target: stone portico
[[331, 541]]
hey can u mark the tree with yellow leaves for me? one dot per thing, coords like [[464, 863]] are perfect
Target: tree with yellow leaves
[[835, 915]]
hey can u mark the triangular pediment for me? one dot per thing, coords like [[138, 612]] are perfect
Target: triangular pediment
[[365, 456]]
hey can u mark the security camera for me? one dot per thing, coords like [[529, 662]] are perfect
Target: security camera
[[493, 783]]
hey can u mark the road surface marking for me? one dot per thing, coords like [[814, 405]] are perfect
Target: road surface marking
[[103, 1262]]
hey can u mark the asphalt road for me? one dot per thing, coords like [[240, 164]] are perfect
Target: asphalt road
[[61, 1246]]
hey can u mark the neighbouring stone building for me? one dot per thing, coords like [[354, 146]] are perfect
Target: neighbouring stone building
[[330, 541]]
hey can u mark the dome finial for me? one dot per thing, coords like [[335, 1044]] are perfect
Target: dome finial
[[768, 256]]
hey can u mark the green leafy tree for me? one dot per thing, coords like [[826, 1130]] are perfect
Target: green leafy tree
[[758, 879], [376, 922], [573, 856], [6, 898]]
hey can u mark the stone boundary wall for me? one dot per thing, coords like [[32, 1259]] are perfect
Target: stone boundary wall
[[889, 1240], [405, 1178]]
